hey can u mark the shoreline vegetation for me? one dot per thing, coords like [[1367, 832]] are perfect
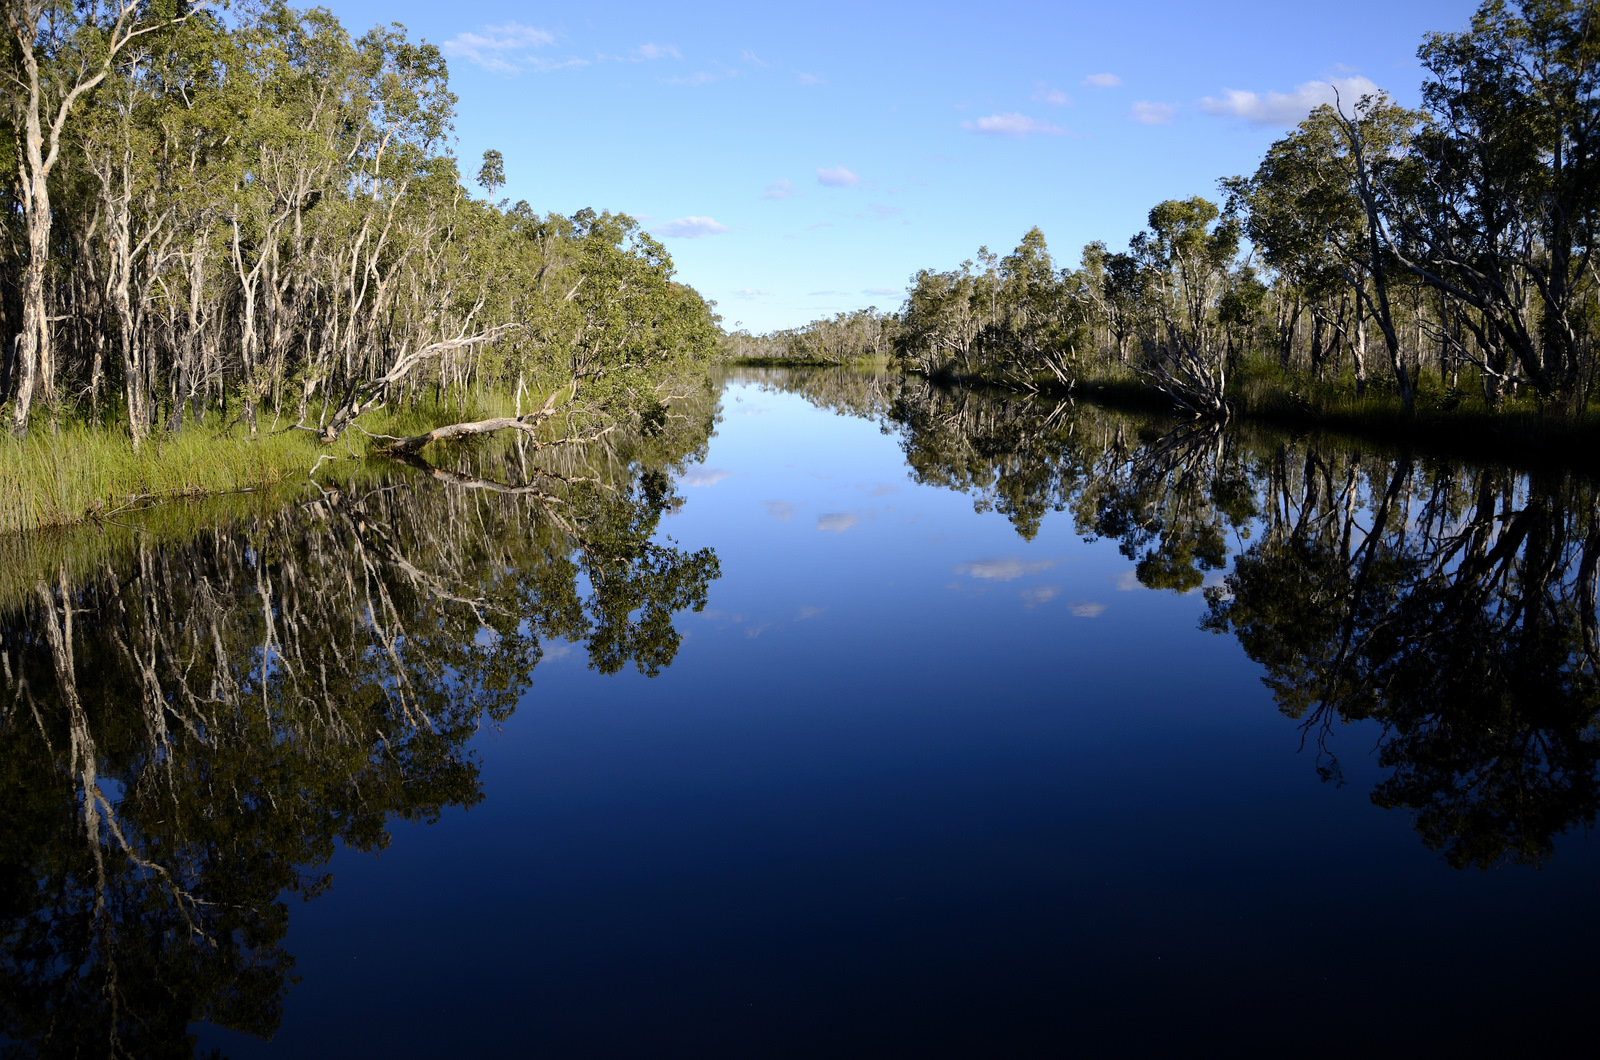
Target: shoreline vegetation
[[1426, 276], [81, 474], [1521, 432], [237, 243]]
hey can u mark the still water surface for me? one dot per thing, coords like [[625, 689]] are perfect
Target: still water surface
[[917, 721]]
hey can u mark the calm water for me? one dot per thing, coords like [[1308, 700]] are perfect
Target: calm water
[[887, 720]]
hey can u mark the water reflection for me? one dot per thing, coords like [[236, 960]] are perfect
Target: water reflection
[[1453, 605], [191, 728]]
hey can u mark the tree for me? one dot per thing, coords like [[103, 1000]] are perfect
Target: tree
[[1185, 257], [1500, 210], [60, 54]]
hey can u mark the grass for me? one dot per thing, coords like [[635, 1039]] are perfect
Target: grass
[[83, 473]]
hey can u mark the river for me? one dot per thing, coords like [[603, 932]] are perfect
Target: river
[[846, 715]]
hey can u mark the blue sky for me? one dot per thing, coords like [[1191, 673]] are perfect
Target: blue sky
[[800, 159]]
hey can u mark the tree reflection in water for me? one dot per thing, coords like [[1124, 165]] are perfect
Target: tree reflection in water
[[189, 733], [1454, 606]]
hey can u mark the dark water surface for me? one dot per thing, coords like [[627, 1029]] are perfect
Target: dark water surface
[[977, 726]]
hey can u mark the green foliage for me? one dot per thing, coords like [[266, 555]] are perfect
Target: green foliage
[[261, 214]]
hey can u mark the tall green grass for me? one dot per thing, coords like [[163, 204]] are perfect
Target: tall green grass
[[82, 473]]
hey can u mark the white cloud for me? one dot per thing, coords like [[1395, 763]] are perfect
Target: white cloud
[[750, 292], [1126, 581], [1004, 570], [1053, 96], [752, 58], [779, 189], [1102, 81], [691, 228], [837, 522], [503, 49], [1086, 608], [1285, 108], [780, 510], [1146, 113], [811, 79], [1012, 125], [884, 211], [810, 612], [837, 177], [1042, 595], [705, 476], [660, 51], [882, 290]]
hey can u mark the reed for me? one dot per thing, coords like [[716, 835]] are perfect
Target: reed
[[80, 472]]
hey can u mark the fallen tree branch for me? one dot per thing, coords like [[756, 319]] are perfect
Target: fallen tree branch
[[363, 397]]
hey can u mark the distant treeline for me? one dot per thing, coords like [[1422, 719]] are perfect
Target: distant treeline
[[256, 212], [1446, 252]]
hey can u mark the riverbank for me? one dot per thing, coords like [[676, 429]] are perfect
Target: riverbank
[[1452, 422], [82, 473]]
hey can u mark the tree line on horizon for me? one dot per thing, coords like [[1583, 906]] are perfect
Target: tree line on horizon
[[1447, 249], [256, 213]]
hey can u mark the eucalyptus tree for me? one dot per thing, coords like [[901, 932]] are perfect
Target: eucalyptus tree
[[1318, 206], [940, 322], [261, 213], [1010, 321], [1501, 205], [57, 53], [1185, 259]]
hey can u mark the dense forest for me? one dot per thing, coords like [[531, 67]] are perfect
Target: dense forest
[[1381, 253], [248, 212]]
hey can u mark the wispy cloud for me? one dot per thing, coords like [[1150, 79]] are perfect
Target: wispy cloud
[[705, 476], [503, 49], [810, 612], [1086, 608], [837, 522], [750, 292], [1285, 108], [779, 189], [691, 228], [811, 79], [1012, 125], [659, 51], [837, 177], [1053, 96], [699, 77], [882, 290], [1042, 595], [884, 211], [752, 58], [780, 510], [1004, 570], [1147, 113], [1102, 81]]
